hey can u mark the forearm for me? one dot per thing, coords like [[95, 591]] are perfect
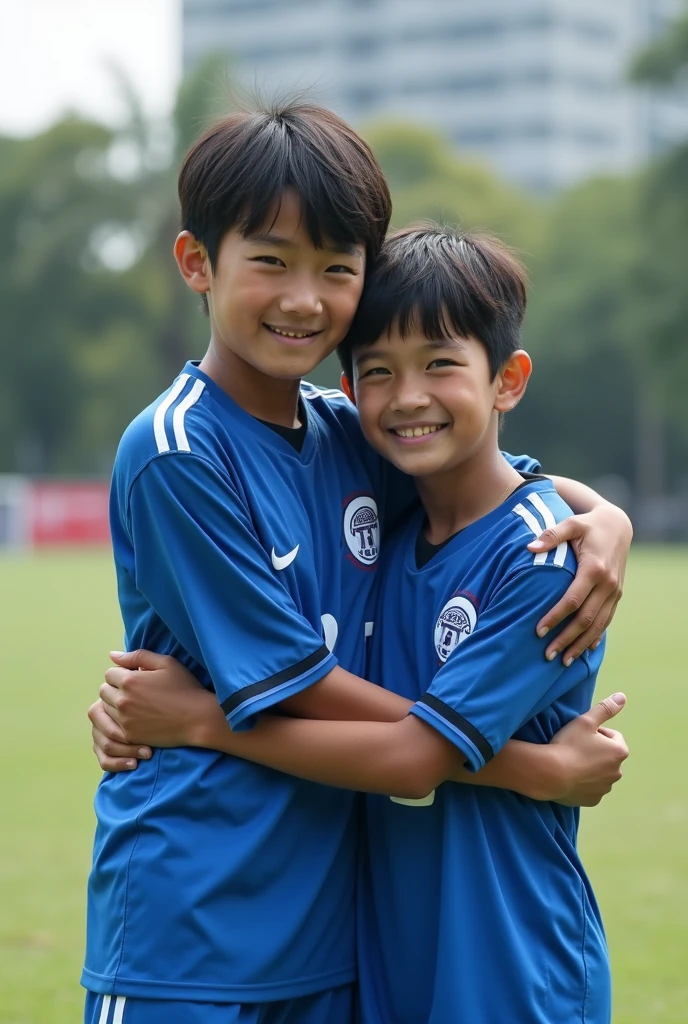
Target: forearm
[[406, 759], [344, 697], [580, 497], [531, 769]]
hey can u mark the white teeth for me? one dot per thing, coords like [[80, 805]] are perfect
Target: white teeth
[[416, 431], [292, 334]]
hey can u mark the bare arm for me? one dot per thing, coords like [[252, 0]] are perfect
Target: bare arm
[[342, 696], [167, 707]]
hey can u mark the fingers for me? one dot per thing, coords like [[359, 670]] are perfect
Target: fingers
[[116, 676], [145, 660], [605, 710], [109, 744], [553, 537], [111, 698], [585, 628]]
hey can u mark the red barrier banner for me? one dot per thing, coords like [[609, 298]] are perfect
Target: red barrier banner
[[62, 513]]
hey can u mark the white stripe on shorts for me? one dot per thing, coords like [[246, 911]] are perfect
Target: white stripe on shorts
[[119, 1010], [104, 1010]]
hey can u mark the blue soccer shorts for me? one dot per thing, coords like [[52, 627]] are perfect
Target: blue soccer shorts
[[335, 1006]]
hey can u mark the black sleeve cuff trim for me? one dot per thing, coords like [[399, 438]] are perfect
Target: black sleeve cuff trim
[[255, 689], [460, 723]]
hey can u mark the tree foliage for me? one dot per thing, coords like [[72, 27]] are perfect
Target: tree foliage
[[96, 320]]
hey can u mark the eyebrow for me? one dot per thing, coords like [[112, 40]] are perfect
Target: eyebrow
[[348, 249], [374, 350]]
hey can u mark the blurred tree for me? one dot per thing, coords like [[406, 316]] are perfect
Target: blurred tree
[[54, 191], [661, 281], [96, 320], [583, 387], [429, 179], [666, 57]]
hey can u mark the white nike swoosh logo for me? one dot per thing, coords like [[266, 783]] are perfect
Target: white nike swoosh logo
[[282, 561]]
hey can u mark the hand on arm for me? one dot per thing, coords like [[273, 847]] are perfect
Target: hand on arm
[[165, 706], [601, 538], [578, 767]]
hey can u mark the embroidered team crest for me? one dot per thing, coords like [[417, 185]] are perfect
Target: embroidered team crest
[[362, 529], [456, 621]]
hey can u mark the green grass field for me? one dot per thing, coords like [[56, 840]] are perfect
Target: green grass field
[[58, 619]]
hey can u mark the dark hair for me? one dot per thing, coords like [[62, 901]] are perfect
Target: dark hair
[[441, 282], [236, 172]]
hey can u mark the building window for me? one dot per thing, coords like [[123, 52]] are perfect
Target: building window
[[480, 82], [480, 136], [597, 137], [364, 96], [362, 46], [595, 31], [207, 7], [474, 29]]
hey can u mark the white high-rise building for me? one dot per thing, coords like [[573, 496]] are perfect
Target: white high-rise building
[[537, 87]]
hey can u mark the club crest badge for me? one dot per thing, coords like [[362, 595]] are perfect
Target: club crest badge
[[362, 529], [456, 621]]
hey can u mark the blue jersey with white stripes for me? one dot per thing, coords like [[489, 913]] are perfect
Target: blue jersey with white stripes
[[474, 905], [216, 879]]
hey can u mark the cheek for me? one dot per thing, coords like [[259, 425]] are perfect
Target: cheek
[[344, 302], [369, 407]]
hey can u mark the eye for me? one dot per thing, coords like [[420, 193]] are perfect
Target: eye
[[375, 371], [341, 268], [270, 261], [440, 364]]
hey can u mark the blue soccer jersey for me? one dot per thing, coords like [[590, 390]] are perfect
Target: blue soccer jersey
[[216, 879], [474, 905]]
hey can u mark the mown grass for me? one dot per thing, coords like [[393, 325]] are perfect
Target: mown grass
[[58, 619]]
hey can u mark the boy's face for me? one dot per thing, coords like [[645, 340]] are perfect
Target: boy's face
[[277, 302], [429, 406]]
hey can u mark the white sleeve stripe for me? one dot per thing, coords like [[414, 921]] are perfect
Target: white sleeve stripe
[[120, 1001], [159, 419], [181, 411], [536, 500], [325, 393], [104, 1010], [532, 523]]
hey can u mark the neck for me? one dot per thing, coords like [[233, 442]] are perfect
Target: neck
[[266, 398], [462, 495]]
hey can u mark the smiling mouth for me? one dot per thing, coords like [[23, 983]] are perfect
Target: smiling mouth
[[297, 335], [417, 431]]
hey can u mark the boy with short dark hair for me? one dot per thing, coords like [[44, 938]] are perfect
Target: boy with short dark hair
[[473, 903], [245, 525]]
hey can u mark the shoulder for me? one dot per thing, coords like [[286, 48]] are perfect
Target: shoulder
[[181, 421], [534, 509], [331, 406]]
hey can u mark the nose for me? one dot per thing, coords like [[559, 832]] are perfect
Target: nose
[[302, 297], [408, 395]]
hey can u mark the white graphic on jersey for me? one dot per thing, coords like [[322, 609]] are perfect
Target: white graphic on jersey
[[180, 412], [456, 621], [330, 630], [533, 525], [282, 561], [362, 529]]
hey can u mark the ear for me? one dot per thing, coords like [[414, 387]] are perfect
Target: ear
[[192, 260], [347, 388], [512, 381]]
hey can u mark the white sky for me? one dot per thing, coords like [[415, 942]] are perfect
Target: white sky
[[54, 53]]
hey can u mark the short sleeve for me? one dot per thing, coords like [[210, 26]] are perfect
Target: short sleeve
[[199, 564], [498, 678]]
